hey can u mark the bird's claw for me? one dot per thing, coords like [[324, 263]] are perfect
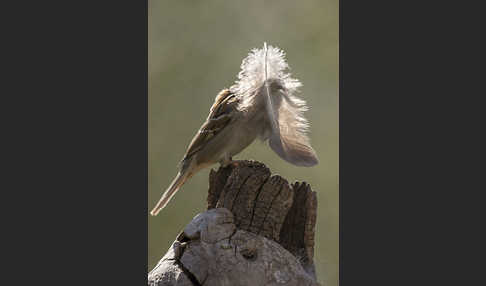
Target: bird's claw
[[229, 162]]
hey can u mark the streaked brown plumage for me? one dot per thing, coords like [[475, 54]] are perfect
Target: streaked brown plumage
[[260, 104]]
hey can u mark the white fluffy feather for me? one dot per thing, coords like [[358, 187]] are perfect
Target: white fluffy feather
[[285, 110], [252, 74]]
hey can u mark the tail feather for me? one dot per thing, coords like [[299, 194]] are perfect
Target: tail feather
[[170, 192]]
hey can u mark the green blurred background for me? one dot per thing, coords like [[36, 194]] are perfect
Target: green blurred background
[[195, 50]]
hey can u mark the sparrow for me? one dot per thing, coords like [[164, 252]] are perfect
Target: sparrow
[[261, 104]]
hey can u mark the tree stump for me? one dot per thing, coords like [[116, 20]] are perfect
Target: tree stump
[[258, 230]]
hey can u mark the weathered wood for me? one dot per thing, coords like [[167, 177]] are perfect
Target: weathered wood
[[267, 205], [258, 230]]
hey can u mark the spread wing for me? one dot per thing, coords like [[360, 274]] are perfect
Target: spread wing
[[219, 116]]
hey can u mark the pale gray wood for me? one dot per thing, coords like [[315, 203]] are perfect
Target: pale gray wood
[[258, 230]]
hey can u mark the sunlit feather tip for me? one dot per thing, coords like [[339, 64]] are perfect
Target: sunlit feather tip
[[252, 74], [285, 110]]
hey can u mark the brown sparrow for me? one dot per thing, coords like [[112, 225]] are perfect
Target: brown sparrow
[[260, 104]]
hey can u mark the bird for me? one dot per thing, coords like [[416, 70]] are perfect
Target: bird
[[262, 103]]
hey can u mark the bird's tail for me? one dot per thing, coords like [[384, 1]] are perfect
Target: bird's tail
[[179, 180]]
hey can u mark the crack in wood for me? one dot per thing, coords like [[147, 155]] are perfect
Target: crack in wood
[[188, 273], [238, 193], [256, 200], [269, 209]]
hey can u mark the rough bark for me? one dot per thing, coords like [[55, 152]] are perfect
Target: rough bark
[[258, 230]]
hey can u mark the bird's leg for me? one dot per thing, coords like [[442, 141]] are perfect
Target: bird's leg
[[227, 160]]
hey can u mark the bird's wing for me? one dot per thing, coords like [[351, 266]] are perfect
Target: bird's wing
[[219, 116]]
